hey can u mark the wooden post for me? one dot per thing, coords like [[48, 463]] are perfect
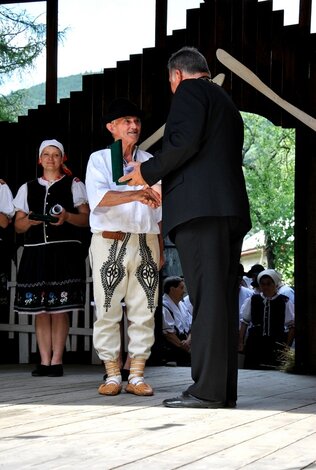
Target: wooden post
[[161, 22], [51, 50]]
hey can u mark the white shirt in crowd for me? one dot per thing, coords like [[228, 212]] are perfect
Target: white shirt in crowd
[[181, 319], [244, 294], [6, 201], [187, 303]]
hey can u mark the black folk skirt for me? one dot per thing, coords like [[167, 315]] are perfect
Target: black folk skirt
[[51, 278]]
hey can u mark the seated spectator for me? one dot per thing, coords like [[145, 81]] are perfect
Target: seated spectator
[[176, 322], [270, 318]]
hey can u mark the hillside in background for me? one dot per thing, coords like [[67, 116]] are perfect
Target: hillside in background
[[31, 98]]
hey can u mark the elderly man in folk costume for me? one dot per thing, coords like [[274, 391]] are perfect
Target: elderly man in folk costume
[[125, 252]]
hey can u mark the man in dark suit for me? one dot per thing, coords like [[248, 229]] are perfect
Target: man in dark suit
[[206, 214]]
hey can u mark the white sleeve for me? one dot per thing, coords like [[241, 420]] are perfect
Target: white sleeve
[[167, 321], [289, 314], [96, 182], [245, 311], [20, 200], [79, 192], [6, 201]]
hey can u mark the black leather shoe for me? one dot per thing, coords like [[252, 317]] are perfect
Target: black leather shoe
[[56, 370], [41, 371], [186, 400]]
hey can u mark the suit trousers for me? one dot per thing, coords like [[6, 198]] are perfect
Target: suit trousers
[[209, 249]]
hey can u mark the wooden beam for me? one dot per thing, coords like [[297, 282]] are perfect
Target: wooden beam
[[51, 50], [161, 22]]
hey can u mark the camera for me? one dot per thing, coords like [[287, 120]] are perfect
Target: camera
[[56, 209]]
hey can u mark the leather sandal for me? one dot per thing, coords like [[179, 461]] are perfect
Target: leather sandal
[[124, 373], [111, 388], [141, 389]]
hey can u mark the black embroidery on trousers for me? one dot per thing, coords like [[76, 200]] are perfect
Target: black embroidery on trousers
[[147, 271], [112, 271]]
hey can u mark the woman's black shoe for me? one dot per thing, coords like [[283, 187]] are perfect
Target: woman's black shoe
[[41, 371], [56, 370]]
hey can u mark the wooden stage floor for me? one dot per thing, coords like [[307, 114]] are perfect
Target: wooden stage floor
[[62, 423]]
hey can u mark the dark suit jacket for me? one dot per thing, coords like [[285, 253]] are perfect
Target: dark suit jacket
[[201, 159]]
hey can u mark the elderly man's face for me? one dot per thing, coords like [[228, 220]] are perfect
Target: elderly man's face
[[126, 128]]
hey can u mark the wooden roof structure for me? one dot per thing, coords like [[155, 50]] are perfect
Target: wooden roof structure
[[283, 57]]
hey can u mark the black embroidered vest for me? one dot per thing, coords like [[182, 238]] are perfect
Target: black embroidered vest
[[276, 315], [41, 202]]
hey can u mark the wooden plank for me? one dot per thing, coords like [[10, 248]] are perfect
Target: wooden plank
[[134, 81], [122, 80], [161, 17], [248, 16], [43, 419], [193, 27]]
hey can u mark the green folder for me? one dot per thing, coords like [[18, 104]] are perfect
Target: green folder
[[117, 160]]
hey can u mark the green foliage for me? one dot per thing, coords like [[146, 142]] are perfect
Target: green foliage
[[31, 98], [21, 41], [269, 161], [11, 106]]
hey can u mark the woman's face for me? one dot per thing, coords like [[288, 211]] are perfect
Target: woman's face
[[51, 158], [267, 286]]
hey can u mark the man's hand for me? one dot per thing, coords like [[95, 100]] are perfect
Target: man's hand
[[134, 178], [148, 196], [186, 344]]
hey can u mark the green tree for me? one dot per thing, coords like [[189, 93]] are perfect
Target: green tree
[[269, 165], [22, 40]]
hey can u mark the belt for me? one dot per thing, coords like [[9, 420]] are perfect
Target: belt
[[114, 235]]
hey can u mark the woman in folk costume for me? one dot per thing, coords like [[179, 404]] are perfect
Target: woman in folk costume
[[270, 318], [51, 274]]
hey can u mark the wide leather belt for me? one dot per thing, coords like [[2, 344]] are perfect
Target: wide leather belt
[[114, 235]]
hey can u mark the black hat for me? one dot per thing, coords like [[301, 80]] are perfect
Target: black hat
[[121, 107], [255, 270]]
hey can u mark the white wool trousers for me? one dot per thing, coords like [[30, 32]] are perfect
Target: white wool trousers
[[124, 270]]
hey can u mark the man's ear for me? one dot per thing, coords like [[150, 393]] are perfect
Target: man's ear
[[109, 126], [179, 74]]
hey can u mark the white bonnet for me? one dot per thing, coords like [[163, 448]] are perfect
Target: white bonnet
[[53, 142], [271, 273]]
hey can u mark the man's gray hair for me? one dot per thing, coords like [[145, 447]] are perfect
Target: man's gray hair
[[190, 60]]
